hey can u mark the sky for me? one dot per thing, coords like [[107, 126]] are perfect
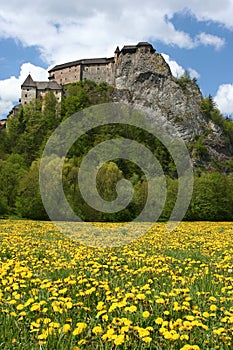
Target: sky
[[36, 35]]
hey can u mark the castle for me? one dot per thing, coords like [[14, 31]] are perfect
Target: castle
[[95, 69], [31, 89]]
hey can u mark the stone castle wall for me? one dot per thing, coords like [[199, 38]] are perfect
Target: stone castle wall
[[28, 94], [67, 75], [99, 73]]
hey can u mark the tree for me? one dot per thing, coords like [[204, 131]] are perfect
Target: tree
[[211, 198], [51, 111], [11, 172], [29, 203]]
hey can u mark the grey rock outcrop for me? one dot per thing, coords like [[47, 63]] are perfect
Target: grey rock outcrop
[[149, 81]]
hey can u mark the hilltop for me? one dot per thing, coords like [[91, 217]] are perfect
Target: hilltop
[[138, 75]]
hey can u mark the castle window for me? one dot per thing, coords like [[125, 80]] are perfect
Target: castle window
[[86, 68], [27, 89], [26, 95]]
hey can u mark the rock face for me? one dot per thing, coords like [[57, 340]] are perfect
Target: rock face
[[150, 83]]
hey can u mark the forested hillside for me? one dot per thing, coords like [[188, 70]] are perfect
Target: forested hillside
[[23, 141]]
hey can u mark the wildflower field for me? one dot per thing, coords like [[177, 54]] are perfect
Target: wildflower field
[[162, 291]]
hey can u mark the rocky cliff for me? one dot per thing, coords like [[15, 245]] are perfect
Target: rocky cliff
[[145, 79]]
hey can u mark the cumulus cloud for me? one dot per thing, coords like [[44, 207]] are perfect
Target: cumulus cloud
[[10, 89], [210, 40], [177, 70], [224, 98], [71, 29], [193, 73]]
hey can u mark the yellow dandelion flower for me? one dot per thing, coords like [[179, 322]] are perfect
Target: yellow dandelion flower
[[213, 307], [184, 337], [80, 326], [147, 339], [119, 339], [131, 308], [66, 328], [145, 314], [20, 307], [160, 301], [97, 330], [105, 317], [159, 320]]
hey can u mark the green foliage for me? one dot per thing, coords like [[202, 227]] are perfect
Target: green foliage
[[200, 149], [29, 203], [184, 80], [11, 171], [211, 112], [212, 198], [84, 94]]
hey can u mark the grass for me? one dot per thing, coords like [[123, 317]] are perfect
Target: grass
[[161, 291]]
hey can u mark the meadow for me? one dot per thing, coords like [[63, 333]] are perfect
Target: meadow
[[162, 291]]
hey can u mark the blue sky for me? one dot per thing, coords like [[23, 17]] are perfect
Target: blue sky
[[197, 37]]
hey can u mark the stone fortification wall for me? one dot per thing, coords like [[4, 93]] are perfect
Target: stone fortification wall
[[67, 75]]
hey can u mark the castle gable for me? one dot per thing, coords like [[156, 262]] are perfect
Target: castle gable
[[28, 82]]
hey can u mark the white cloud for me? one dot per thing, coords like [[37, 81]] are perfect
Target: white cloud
[[224, 98], [10, 90], [177, 70], [193, 73], [71, 29], [210, 40]]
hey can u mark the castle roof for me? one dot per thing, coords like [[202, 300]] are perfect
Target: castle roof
[[48, 85], [29, 82], [40, 85], [144, 43], [88, 61], [133, 48]]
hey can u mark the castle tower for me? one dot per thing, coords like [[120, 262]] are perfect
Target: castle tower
[[145, 47], [116, 54], [28, 90]]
